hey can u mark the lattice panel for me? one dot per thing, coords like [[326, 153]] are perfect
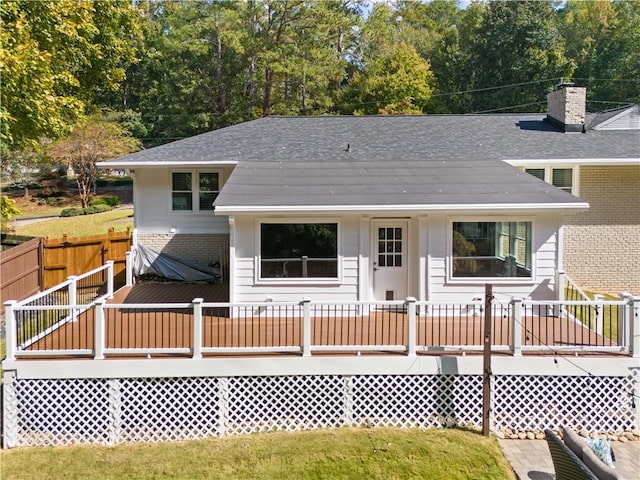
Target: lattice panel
[[537, 402], [292, 403], [60, 412], [63, 412], [417, 400], [167, 409]]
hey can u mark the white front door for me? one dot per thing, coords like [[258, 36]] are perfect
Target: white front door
[[389, 260]]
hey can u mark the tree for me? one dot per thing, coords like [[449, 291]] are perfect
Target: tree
[[21, 166], [8, 210], [57, 58], [392, 77], [518, 45], [603, 40], [89, 143]]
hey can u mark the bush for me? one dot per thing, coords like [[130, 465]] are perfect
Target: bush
[[111, 200], [100, 208], [71, 212], [97, 201], [74, 211]]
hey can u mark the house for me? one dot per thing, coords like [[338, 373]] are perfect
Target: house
[[345, 208]]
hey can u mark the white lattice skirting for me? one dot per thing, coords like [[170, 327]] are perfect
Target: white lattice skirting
[[110, 411]]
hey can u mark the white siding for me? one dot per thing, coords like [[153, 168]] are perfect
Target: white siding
[[152, 194], [355, 243], [246, 288], [545, 253]]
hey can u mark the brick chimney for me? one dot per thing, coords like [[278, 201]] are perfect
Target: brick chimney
[[566, 107]]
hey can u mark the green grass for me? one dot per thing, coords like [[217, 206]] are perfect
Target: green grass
[[323, 454], [79, 226], [609, 319]]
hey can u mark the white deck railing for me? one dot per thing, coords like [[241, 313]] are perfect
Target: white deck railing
[[102, 329]]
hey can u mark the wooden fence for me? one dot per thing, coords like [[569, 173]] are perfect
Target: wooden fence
[[20, 268], [76, 255]]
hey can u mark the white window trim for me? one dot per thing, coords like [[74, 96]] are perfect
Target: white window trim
[[493, 280], [548, 173], [195, 189], [296, 280]]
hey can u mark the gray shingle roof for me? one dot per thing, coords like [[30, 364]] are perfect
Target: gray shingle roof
[[390, 138], [379, 185]]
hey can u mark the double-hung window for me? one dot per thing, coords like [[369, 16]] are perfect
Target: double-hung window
[[194, 191], [558, 177], [491, 250], [298, 250]]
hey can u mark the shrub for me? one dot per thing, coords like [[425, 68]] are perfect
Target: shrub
[[97, 201], [111, 200], [100, 208], [71, 212]]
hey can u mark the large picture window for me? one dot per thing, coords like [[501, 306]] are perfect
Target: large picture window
[[189, 189], [491, 249], [299, 250]]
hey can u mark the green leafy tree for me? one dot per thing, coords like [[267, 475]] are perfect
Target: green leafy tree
[[443, 33], [392, 77], [518, 44], [57, 58], [603, 41], [8, 209], [88, 143]]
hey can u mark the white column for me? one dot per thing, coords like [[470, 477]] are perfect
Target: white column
[[10, 409], [516, 327], [11, 331], [73, 296], [128, 268], [423, 253], [306, 327], [109, 264], [99, 334], [197, 328], [410, 302], [634, 337]]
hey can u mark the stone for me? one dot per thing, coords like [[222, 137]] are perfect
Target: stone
[[623, 439], [531, 436], [522, 435], [540, 436]]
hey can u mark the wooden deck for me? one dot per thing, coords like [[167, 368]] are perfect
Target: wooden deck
[[281, 326]]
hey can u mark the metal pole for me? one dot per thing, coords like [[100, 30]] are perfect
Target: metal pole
[[486, 369]]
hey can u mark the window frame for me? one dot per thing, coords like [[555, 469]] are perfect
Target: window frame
[[548, 175], [195, 190], [259, 280], [497, 279]]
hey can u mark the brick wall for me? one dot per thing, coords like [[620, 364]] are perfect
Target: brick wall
[[199, 249], [567, 105], [602, 245]]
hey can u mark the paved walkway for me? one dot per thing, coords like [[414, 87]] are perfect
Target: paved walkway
[[531, 460]]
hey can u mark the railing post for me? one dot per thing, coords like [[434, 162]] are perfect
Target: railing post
[[410, 302], [73, 297], [634, 335], [197, 328], [625, 316], [99, 336], [560, 293], [128, 268], [516, 327], [11, 330], [306, 327], [599, 327], [305, 266], [109, 264]]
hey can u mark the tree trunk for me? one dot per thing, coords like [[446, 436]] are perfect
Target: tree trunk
[[268, 87]]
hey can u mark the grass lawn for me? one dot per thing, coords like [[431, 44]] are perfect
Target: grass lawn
[[322, 454], [79, 226]]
